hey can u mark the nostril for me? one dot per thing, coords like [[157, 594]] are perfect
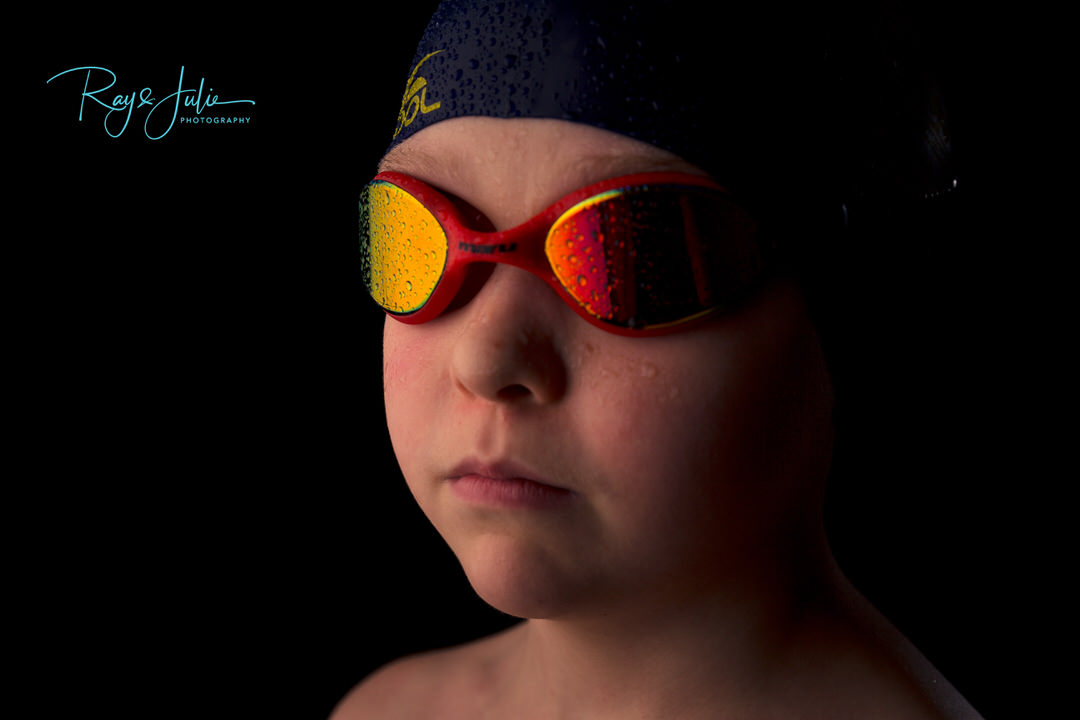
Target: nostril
[[514, 392]]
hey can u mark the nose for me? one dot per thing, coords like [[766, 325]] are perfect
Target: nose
[[508, 348]]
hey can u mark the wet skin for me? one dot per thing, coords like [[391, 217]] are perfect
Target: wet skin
[[651, 506], [673, 451]]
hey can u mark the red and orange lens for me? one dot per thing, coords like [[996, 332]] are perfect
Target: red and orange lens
[[634, 255]]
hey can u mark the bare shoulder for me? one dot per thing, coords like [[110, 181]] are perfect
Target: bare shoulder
[[397, 690], [885, 676], [898, 682], [441, 684]]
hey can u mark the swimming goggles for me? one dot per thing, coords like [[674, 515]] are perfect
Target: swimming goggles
[[635, 255]]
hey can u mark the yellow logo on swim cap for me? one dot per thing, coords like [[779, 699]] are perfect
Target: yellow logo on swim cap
[[415, 98]]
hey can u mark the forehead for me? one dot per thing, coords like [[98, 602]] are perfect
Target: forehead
[[512, 169]]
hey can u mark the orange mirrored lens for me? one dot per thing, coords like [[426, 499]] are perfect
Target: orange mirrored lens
[[403, 248]]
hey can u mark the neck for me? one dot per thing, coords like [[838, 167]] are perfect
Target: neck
[[673, 658]]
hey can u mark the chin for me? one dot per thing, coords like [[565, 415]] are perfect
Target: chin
[[523, 580]]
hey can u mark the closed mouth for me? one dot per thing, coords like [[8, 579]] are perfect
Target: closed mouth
[[503, 483]]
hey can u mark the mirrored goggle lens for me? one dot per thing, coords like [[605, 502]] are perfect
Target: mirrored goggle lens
[[650, 256], [403, 248]]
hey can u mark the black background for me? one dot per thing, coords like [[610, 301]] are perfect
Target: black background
[[205, 517]]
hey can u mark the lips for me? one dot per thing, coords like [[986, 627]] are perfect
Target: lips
[[505, 484]]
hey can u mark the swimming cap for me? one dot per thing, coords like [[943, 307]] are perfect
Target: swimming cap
[[782, 105]]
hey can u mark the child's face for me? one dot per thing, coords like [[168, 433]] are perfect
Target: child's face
[[678, 460]]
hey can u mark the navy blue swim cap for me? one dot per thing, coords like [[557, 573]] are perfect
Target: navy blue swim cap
[[793, 109]]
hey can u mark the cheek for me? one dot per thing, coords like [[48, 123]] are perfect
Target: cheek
[[401, 358], [648, 426], [648, 419], [409, 378], [705, 424]]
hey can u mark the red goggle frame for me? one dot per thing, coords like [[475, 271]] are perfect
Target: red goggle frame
[[635, 255]]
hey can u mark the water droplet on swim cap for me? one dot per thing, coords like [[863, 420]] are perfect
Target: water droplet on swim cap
[[783, 108], [707, 91]]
